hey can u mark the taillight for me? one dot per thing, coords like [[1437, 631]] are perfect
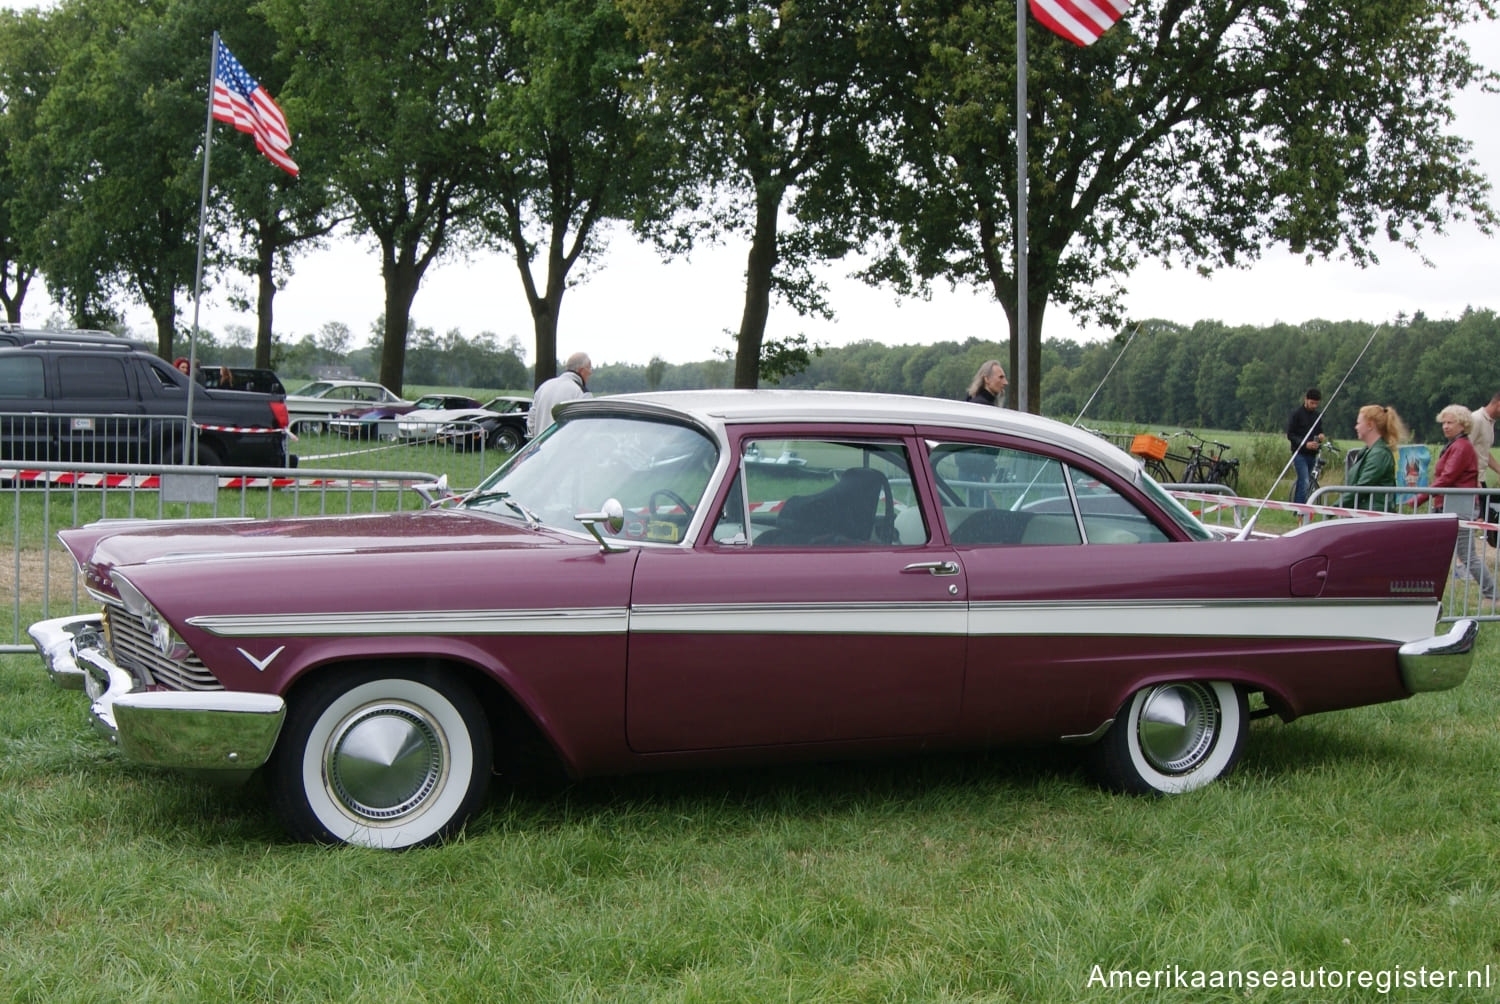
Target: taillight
[[279, 412]]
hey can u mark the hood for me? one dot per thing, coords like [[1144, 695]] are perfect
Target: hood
[[101, 547]]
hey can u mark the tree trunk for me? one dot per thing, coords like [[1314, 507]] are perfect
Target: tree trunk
[[401, 283], [758, 272]]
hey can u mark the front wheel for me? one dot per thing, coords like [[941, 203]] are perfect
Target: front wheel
[[1173, 737], [383, 757]]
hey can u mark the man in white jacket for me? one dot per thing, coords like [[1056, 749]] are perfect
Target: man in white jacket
[[572, 382]]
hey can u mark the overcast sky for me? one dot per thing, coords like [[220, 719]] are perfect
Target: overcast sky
[[634, 306]]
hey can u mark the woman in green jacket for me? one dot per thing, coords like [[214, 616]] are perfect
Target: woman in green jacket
[[1381, 430]]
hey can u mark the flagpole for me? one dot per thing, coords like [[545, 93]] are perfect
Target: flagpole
[[1023, 323], [208, 147]]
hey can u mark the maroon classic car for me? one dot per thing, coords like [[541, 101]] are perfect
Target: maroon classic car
[[671, 580]]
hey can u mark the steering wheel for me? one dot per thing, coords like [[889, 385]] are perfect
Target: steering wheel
[[668, 494]]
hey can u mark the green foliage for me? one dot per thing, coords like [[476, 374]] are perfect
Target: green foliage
[[1190, 133]]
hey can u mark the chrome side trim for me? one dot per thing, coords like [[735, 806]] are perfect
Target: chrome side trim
[[599, 620], [1084, 738], [941, 617]]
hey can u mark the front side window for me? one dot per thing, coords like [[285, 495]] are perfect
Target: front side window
[[657, 470], [822, 493]]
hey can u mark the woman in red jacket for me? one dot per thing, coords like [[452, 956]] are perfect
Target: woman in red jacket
[[1458, 467]]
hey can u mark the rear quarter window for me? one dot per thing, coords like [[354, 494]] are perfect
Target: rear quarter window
[[22, 379]]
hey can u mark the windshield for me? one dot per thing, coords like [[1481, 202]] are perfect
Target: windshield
[[657, 470], [313, 389], [1174, 508]]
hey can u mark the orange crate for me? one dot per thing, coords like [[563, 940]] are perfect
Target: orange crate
[[1146, 445]]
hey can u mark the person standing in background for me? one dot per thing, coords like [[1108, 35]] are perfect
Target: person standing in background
[[573, 382], [1304, 430], [988, 385], [1482, 435]]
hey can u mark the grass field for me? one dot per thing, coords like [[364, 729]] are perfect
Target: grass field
[[1354, 841]]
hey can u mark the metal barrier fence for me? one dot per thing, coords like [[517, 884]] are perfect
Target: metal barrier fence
[[99, 438], [39, 500]]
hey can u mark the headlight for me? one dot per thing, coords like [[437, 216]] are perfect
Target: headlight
[[166, 640]]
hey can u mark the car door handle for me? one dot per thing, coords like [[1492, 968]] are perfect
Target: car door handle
[[933, 567]]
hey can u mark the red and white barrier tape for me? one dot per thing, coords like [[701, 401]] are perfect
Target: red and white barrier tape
[[152, 481]]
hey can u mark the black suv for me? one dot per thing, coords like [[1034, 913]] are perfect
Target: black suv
[[110, 403]]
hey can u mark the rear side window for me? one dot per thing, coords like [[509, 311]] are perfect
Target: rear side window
[[21, 378], [83, 376]]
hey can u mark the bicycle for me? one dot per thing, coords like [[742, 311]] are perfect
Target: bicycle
[[1153, 453], [1326, 452], [1210, 466]]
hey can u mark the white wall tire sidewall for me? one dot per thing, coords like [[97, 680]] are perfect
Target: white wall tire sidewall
[[1219, 759], [436, 811]]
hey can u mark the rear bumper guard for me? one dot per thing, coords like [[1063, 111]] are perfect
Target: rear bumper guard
[[1441, 662]]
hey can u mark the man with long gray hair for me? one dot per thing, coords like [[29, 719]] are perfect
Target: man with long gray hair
[[988, 385]]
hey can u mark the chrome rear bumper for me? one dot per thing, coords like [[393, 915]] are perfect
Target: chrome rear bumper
[[185, 730], [1441, 662]]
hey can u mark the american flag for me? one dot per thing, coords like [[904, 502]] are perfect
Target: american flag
[[1079, 21], [246, 105]]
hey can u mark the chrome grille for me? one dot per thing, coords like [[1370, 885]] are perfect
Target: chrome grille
[[131, 647]]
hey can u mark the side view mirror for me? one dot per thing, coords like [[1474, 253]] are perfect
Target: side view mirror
[[612, 515], [433, 492]]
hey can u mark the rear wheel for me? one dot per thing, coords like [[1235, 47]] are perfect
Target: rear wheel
[[507, 440], [1173, 737], [383, 757]]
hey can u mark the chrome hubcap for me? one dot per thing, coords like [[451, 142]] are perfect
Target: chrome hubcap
[[384, 760], [1177, 726]]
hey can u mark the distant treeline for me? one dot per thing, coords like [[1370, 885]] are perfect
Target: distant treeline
[[1207, 376]]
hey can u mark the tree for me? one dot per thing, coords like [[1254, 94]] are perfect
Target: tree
[[775, 98], [392, 95], [26, 70], [1198, 134], [573, 147], [116, 160]]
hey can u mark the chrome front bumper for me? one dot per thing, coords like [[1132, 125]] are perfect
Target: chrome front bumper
[[216, 730], [1441, 662]]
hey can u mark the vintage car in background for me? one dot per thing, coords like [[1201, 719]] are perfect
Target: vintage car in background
[[313, 405], [366, 422], [499, 425], [728, 577], [443, 423]]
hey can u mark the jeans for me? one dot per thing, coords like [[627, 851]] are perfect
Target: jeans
[[1470, 550], [1303, 462]]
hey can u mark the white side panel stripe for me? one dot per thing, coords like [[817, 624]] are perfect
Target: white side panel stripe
[[1397, 621]]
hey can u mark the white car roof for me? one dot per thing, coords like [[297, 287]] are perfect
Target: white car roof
[[717, 409]]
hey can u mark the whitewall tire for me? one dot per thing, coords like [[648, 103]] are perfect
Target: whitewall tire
[[1174, 737], [386, 758]]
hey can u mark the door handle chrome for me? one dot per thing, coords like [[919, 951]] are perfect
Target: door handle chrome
[[933, 567]]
